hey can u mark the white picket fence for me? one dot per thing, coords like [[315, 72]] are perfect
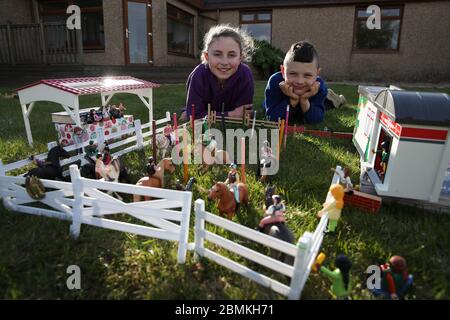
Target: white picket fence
[[305, 252], [307, 248], [82, 202], [137, 141]]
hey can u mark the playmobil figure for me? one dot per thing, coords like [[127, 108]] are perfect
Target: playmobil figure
[[121, 110], [51, 168], [99, 165], [210, 154], [151, 166], [168, 132], [222, 78], [90, 117], [78, 137], [344, 179], [156, 180], [333, 207], [275, 213], [91, 149], [106, 155], [114, 112], [299, 85], [37, 161], [34, 188], [105, 112], [110, 173], [384, 155], [98, 116], [232, 182], [340, 276], [395, 280], [227, 203], [189, 185], [266, 161]]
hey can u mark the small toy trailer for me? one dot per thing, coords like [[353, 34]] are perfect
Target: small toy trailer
[[403, 141]]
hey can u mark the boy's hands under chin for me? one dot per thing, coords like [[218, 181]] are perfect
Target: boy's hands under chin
[[289, 91], [312, 91]]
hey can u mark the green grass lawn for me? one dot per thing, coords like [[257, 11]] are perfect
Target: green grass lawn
[[36, 251]]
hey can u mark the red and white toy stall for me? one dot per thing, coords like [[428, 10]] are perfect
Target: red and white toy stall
[[66, 92], [413, 128]]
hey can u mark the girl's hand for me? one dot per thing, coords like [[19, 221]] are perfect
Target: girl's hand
[[238, 112], [183, 116]]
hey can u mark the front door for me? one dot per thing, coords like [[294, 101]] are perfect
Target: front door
[[138, 32]]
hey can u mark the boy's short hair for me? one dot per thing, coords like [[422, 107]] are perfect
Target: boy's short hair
[[302, 51]]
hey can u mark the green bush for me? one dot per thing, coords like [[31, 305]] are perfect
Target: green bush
[[267, 58]]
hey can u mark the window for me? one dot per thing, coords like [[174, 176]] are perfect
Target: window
[[384, 39], [92, 27], [258, 24], [180, 31]]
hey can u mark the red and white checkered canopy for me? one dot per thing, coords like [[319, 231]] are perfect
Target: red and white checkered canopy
[[92, 85]]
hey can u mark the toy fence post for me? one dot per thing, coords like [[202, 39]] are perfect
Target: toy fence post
[[77, 185], [243, 159], [184, 227], [300, 265], [51, 144], [139, 137], [185, 156], [168, 116], [2, 169], [154, 139], [199, 226], [100, 139]]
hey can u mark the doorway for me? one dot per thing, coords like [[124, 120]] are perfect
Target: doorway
[[138, 32]]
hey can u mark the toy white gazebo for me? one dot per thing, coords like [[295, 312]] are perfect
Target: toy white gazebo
[[67, 91], [415, 126]]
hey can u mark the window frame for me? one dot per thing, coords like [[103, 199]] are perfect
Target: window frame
[[178, 20], [257, 21], [62, 12], [385, 50]]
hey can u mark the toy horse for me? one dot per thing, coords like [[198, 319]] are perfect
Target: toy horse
[[51, 168], [278, 230], [156, 180], [162, 144], [110, 173], [210, 154], [227, 203]]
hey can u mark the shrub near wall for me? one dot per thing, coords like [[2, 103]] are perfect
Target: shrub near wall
[[266, 58]]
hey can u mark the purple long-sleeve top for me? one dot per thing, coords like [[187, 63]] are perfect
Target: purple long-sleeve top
[[203, 88]]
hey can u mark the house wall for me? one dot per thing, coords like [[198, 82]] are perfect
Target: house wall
[[424, 51], [160, 56], [18, 11], [114, 53]]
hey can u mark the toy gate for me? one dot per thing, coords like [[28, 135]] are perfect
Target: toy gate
[[82, 202], [304, 253]]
